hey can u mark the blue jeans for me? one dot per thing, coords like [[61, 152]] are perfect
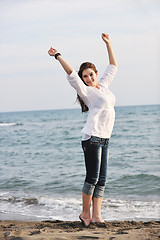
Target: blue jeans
[[96, 154]]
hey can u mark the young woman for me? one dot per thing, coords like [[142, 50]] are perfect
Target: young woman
[[96, 98]]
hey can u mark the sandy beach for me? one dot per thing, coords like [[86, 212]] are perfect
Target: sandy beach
[[48, 230]]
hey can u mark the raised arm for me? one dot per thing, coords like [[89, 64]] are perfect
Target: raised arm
[[112, 59], [66, 66]]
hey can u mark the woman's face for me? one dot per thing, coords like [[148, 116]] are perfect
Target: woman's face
[[90, 77]]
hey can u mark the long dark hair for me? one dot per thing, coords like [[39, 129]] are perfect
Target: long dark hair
[[84, 66]]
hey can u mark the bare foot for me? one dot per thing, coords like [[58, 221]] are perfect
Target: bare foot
[[97, 220], [85, 221]]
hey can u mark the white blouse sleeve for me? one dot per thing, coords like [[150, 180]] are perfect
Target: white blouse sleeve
[[77, 83], [108, 75]]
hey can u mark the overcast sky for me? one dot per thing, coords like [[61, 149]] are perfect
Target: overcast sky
[[32, 80]]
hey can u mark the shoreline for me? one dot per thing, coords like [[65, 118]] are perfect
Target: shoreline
[[56, 229]]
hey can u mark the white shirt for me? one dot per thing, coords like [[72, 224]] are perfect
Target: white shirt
[[100, 102]]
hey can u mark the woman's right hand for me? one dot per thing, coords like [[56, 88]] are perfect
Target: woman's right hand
[[52, 52]]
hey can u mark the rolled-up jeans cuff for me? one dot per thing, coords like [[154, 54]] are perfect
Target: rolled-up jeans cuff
[[88, 188], [98, 191]]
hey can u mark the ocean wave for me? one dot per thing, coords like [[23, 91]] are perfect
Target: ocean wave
[[10, 124], [24, 200], [138, 177], [62, 208], [40, 158], [138, 186], [138, 182]]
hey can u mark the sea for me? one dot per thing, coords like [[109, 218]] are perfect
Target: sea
[[42, 165]]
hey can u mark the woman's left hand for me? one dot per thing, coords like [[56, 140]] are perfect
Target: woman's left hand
[[105, 37]]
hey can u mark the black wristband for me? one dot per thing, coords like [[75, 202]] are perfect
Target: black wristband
[[56, 55]]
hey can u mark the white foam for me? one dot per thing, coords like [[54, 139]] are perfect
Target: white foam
[[7, 124], [130, 209], [68, 209]]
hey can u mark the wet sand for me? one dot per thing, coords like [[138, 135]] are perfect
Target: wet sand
[[49, 230]]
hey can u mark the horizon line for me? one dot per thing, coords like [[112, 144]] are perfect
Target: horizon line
[[59, 109]]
